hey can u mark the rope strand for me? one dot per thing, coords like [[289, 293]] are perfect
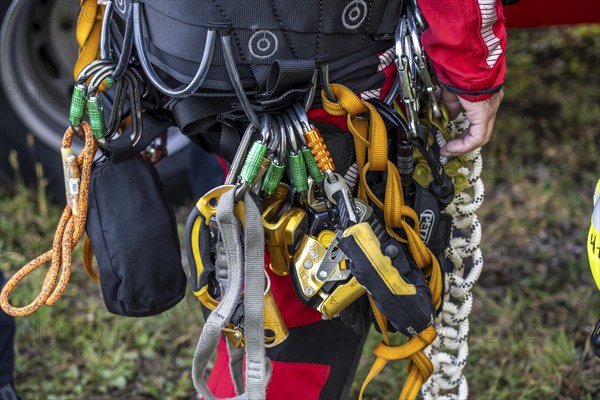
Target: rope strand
[[68, 233]]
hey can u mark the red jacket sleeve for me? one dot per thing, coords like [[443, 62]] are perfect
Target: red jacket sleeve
[[466, 43]]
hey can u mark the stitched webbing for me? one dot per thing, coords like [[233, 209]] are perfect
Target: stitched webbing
[[370, 137], [240, 264], [370, 140], [88, 33]]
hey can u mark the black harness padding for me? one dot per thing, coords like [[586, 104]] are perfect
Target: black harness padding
[[277, 45], [265, 31], [140, 262]]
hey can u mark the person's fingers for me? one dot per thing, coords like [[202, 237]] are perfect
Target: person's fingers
[[476, 136], [452, 103], [481, 116]]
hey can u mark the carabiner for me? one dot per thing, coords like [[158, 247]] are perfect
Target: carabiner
[[142, 51], [280, 129], [238, 159], [287, 125], [236, 81], [310, 97], [91, 69], [325, 84], [135, 108], [302, 117], [403, 67], [100, 76], [266, 129], [297, 127], [417, 14], [275, 139], [421, 60]]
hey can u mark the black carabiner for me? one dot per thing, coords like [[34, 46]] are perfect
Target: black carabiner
[[441, 186]]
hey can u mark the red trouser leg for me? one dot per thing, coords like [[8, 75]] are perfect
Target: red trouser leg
[[318, 360]]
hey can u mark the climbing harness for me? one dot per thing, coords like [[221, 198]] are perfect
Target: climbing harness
[[406, 197], [381, 222]]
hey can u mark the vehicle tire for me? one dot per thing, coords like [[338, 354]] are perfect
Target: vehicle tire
[[37, 53]]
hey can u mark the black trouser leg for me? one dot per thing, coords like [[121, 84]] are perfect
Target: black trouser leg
[[7, 337]]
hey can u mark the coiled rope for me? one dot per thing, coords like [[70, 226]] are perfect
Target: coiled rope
[[450, 350]]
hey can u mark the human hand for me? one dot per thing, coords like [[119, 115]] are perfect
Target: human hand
[[481, 116]]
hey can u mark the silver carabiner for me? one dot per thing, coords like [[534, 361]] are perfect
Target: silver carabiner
[[413, 8], [278, 131], [421, 60], [238, 159], [142, 51], [290, 130], [302, 117]]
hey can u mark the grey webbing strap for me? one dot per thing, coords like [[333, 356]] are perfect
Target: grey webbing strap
[[236, 368], [257, 371], [230, 227]]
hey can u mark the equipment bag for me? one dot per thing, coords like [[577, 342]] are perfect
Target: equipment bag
[[133, 233]]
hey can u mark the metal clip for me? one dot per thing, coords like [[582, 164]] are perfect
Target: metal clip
[[283, 235], [403, 67], [421, 60]]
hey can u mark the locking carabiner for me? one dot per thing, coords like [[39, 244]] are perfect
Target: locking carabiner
[[297, 167], [403, 67], [421, 60]]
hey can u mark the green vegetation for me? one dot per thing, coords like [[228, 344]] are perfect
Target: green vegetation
[[534, 307]]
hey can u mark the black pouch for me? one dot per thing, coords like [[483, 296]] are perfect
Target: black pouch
[[133, 233]]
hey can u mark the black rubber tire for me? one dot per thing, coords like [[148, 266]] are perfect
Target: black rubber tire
[[20, 133]]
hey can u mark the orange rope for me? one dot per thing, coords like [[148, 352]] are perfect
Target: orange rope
[[68, 233]]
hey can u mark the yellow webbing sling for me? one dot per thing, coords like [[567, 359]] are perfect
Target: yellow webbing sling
[[370, 140], [88, 34]]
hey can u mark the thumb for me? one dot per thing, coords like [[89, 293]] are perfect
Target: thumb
[[472, 139]]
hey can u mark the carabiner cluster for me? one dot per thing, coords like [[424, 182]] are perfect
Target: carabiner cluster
[[415, 80], [130, 89], [286, 141]]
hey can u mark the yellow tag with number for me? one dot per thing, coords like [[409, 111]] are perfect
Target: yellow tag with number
[[593, 242]]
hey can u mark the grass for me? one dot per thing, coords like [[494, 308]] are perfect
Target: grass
[[535, 304]]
